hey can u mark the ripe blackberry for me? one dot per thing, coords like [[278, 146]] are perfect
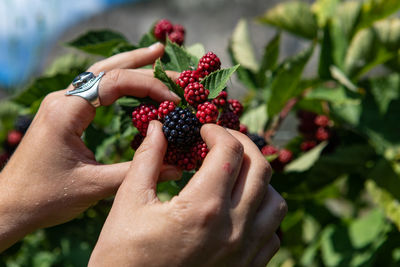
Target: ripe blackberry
[[235, 106], [14, 137], [208, 64], [269, 150], [186, 77], [181, 127], [243, 129], [137, 141], [22, 123], [142, 115], [162, 29], [321, 120], [308, 145], [322, 134], [195, 94], [221, 100], [229, 120], [165, 108], [207, 113], [177, 37], [200, 150], [258, 140]]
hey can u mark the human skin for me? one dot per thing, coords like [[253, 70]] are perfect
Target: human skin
[[226, 215]]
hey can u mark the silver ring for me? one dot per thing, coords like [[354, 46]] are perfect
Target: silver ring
[[86, 85]]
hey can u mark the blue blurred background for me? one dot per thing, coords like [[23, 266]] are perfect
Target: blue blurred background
[[28, 29]]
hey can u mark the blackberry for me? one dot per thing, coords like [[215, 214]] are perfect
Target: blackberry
[[229, 120], [221, 100], [177, 37], [186, 77], [199, 151], [243, 129], [258, 140], [165, 108], [269, 150], [195, 94], [321, 120], [22, 123], [208, 64], [142, 115], [207, 113], [235, 106], [180, 157], [162, 29], [308, 145], [322, 134], [181, 127]]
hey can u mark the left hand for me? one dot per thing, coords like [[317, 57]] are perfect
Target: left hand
[[52, 176]]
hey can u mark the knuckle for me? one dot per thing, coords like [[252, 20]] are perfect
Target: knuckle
[[96, 67], [265, 171], [114, 75], [235, 147], [51, 104]]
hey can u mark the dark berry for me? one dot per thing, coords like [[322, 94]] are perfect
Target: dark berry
[[195, 94], [182, 158], [207, 113], [142, 115], [258, 140], [178, 28], [200, 150], [308, 145], [186, 77], [162, 29], [243, 129], [3, 159], [229, 120], [235, 106], [269, 150], [165, 108], [14, 137], [181, 127], [22, 123], [322, 134], [137, 141], [221, 100], [321, 120], [177, 37], [208, 64]]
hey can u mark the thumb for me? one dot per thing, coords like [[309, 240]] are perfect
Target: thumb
[[141, 180]]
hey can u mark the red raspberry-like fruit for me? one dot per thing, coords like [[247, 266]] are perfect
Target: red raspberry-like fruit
[[162, 29], [179, 28], [235, 106], [321, 120], [137, 141], [181, 158], [200, 150], [269, 150], [142, 115], [322, 134], [165, 108], [221, 100], [177, 37], [208, 64], [186, 77], [14, 138], [243, 129], [285, 156], [308, 145], [229, 120], [195, 94], [207, 112]]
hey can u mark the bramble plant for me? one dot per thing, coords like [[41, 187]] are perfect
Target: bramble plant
[[340, 176]]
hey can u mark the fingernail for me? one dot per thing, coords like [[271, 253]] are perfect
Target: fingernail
[[151, 127], [154, 46]]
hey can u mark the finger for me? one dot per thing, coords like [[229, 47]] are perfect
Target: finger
[[172, 74], [140, 183], [253, 180], [220, 168], [169, 173], [130, 60], [267, 252]]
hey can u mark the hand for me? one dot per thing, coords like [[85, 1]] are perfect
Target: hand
[[225, 216], [52, 176]]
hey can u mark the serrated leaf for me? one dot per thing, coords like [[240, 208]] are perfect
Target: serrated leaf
[[255, 119], [295, 17], [160, 74], [307, 160], [284, 85], [242, 48], [270, 57], [176, 58], [196, 50], [216, 81], [99, 42]]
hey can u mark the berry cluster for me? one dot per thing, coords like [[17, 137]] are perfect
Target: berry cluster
[[14, 137], [314, 128], [175, 33], [181, 125]]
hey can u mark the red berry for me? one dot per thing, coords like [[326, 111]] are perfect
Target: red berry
[[243, 129], [229, 120], [322, 134], [235, 106], [195, 94], [221, 100], [285, 156], [137, 141], [269, 150], [207, 113], [142, 115], [186, 77], [308, 145], [165, 108], [179, 28], [162, 29], [321, 120], [208, 64], [200, 150], [177, 37], [14, 138], [180, 158]]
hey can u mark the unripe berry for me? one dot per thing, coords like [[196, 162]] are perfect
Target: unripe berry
[[165, 108], [235, 106], [142, 115], [14, 137], [186, 77], [269, 150], [207, 113], [195, 94], [221, 100], [208, 64], [162, 29]]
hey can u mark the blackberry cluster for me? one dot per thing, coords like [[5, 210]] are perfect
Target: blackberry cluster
[[165, 29]]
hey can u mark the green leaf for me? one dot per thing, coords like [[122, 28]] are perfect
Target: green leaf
[[246, 76], [326, 59], [67, 63], [176, 58], [343, 79], [295, 17], [255, 119], [147, 40], [128, 102], [241, 46], [271, 55], [160, 74], [374, 10], [385, 90], [197, 50], [216, 81], [99, 42], [307, 160], [324, 10], [284, 85], [123, 47]]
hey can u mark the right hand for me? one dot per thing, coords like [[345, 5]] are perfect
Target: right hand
[[225, 216]]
